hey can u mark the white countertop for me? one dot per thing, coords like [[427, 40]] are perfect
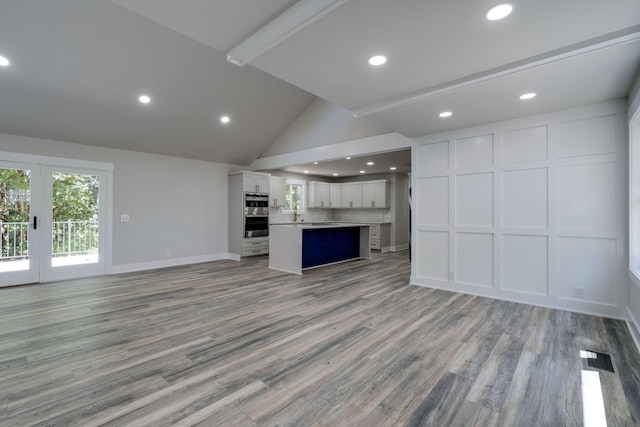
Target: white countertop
[[327, 222], [310, 225]]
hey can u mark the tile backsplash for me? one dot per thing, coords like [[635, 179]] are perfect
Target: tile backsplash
[[310, 215], [362, 215], [339, 215]]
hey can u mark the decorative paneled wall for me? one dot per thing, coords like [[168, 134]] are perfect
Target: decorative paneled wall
[[530, 210]]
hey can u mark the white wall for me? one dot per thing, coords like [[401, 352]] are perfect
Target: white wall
[[175, 205], [633, 308], [526, 210], [401, 220], [322, 123]]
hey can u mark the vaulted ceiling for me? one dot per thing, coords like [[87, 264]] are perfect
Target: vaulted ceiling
[[78, 67]]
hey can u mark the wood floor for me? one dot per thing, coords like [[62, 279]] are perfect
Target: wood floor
[[235, 344]]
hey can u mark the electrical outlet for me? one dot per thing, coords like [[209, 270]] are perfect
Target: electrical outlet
[[452, 275], [167, 254], [578, 292], [124, 218]]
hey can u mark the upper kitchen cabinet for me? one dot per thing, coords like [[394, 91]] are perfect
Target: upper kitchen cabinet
[[277, 192], [335, 195], [318, 195], [255, 182], [352, 195], [375, 194], [363, 194]]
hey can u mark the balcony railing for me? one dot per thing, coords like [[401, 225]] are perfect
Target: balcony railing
[[68, 238], [14, 240]]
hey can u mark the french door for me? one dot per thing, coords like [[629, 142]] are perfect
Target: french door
[[52, 223]]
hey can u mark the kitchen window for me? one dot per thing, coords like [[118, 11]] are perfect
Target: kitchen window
[[294, 196]]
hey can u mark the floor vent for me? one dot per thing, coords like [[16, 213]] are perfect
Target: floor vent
[[599, 361]]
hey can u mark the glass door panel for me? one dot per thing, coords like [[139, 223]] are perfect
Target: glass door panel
[[75, 229], [76, 238], [18, 234]]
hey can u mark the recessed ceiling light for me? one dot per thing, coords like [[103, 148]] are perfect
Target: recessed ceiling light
[[363, 171], [4, 61], [377, 60], [145, 99], [348, 158], [369, 163], [446, 114], [335, 174], [528, 95], [306, 171], [225, 119], [315, 163], [393, 168], [499, 11]]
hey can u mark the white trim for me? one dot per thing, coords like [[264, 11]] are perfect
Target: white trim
[[56, 161], [371, 145], [396, 248], [559, 55], [634, 328], [152, 265], [294, 19], [529, 299], [109, 222], [303, 195], [633, 278], [234, 257], [634, 99]]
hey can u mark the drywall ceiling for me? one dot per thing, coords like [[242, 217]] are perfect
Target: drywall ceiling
[[447, 56], [382, 163], [77, 67]]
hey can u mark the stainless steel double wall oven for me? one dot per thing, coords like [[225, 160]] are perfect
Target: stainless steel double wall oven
[[256, 215]]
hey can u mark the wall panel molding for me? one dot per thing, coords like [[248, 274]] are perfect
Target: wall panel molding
[[534, 207]]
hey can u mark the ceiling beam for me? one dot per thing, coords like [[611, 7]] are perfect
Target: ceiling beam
[[628, 35], [294, 19]]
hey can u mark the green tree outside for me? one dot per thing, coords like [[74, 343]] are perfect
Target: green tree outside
[[75, 198]]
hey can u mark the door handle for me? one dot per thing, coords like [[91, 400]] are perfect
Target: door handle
[[35, 222]]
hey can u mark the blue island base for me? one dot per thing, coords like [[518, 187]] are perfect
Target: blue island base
[[328, 245]]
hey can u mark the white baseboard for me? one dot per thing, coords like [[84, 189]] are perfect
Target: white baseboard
[[634, 328], [234, 257], [594, 309], [396, 248], [152, 265]]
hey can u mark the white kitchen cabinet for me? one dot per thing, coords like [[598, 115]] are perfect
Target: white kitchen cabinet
[[277, 194], [335, 195], [318, 195], [241, 182], [352, 195], [380, 236], [255, 246], [255, 182], [375, 194]]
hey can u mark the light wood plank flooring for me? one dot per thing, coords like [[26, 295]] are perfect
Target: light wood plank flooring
[[236, 344]]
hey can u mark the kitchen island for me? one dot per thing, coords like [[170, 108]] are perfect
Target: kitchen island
[[297, 247]]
